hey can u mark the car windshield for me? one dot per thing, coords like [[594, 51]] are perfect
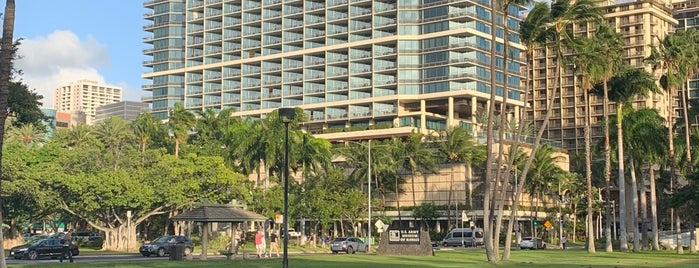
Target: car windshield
[[163, 239], [340, 239], [526, 238]]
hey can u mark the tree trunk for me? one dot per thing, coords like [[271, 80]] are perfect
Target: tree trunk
[[634, 207], [653, 209], [607, 170], [7, 56], [644, 212], [177, 147], [623, 246], [673, 164], [688, 153], [590, 237], [449, 197], [490, 251]]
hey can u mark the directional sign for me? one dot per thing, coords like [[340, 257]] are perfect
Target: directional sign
[[379, 224], [547, 224]]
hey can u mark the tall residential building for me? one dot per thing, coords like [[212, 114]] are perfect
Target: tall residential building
[[167, 45], [687, 15], [84, 96], [353, 66], [127, 110], [641, 23]]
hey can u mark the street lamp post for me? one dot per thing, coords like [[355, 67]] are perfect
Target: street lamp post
[[286, 115], [368, 180]]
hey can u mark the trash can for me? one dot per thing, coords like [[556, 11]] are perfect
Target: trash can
[[177, 252]]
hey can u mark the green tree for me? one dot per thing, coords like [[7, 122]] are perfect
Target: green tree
[[669, 57], [426, 212], [144, 126], [624, 87], [26, 134], [534, 33], [25, 106], [180, 123], [115, 134], [417, 157], [455, 146]]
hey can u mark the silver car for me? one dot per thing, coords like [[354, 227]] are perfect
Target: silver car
[[532, 243], [350, 245]]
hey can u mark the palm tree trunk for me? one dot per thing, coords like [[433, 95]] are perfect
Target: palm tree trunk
[[653, 208], [607, 170], [412, 181], [690, 166], [490, 250], [624, 246], [634, 207], [177, 147], [588, 176], [539, 135], [7, 56], [449, 197], [400, 219], [673, 165], [644, 212]]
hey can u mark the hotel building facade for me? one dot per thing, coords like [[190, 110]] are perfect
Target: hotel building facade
[[84, 96]]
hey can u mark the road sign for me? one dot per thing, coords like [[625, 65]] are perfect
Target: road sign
[[547, 224], [379, 224], [464, 216], [279, 218]]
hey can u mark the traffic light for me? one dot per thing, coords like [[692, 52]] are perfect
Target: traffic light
[[536, 223]]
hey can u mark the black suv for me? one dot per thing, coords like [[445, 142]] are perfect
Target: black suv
[[161, 245]]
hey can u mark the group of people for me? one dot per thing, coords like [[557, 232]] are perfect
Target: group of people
[[261, 247]]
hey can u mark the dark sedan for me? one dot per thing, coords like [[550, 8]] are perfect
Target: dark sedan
[[161, 246], [47, 247]]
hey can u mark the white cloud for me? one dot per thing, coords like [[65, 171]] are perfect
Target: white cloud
[[61, 57]]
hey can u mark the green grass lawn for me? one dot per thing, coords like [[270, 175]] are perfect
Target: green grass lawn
[[455, 258]]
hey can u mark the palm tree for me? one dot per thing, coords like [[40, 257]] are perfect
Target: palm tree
[[533, 33], [611, 47], [544, 173], [417, 158], [114, 133], [180, 123], [7, 56], [456, 146], [669, 57], [26, 134], [645, 137], [624, 87], [586, 61], [143, 127], [499, 187]]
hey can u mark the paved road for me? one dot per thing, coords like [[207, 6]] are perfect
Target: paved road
[[114, 258]]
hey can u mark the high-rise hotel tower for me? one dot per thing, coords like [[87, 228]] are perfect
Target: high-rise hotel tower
[[349, 64]]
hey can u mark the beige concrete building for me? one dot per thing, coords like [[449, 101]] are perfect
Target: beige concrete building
[[85, 96], [641, 23], [687, 15]]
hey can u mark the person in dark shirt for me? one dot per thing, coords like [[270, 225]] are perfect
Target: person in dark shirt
[[66, 241], [274, 244]]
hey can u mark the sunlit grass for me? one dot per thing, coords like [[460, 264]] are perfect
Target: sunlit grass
[[452, 258]]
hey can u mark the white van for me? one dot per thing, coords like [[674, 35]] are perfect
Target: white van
[[463, 237]]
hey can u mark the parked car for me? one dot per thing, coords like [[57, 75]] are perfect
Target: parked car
[[349, 245], [85, 236], [532, 243], [463, 237], [161, 246], [46, 247]]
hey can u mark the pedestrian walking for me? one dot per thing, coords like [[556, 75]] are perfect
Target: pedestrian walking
[[563, 241], [274, 244], [258, 243], [65, 246]]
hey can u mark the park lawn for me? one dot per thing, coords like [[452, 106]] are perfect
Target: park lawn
[[455, 258]]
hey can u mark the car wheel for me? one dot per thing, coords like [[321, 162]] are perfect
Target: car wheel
[[161, 252], [187, 251], [32, 255], [350, 250], [334, 252], [544, 247], [366, 249], [145, 255], [445, 244]]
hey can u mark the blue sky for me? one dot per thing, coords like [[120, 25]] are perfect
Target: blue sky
[[67, 40]]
